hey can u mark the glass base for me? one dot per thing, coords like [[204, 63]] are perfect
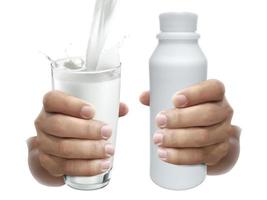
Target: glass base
[[88, 182]]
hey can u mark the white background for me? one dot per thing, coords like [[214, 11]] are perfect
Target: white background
[[234, 38]]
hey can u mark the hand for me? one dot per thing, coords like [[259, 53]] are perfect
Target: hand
[[69, 141], [198, 129]]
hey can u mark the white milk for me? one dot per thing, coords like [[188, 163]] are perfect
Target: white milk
[[99, 88], [99, 31], [98, 83]]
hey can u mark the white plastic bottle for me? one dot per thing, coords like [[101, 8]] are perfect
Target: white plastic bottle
[[177, 63]]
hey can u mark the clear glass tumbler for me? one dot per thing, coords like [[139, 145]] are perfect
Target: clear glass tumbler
[[99, 88]]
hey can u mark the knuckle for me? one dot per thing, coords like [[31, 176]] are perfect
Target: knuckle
[[40, 141], [211, 110], [201, 156], [226, 132], [171, 139], [98, 148], [93, 168], [209, 113], [92, 150], [41, 145], [203, 136], [37, 123], [230, 131], [56, 123], [210, 157], [64, 148], [94, 146], [229, 111], [94, 129], [68, 167], [84, 168], [43, 158], [174, 156], [176, 117]]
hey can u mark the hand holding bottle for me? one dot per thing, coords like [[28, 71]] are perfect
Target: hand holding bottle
[[198, 129]]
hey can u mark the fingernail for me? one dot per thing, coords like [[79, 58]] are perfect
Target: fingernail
[[109, 149], [158, 138], [87, 112], [105, 165], [162, 154], [161, 120], [180, 100], [106, 132]]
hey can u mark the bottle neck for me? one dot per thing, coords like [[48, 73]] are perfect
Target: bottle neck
[[182, 37]]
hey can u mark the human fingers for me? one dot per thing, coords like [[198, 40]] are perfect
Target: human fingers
[[206, 91], [190, 156], [65, 126], [74, 148], [59, 102], [59, 166], [200, 115], [192, 137]]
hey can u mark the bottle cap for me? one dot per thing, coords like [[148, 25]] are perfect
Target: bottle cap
[[178, 22]]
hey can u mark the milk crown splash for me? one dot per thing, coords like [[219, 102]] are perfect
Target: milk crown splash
[[96, 58]]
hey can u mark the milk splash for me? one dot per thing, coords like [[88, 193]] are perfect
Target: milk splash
[[96, 58]]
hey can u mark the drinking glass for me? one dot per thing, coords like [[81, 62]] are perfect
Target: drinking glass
[[99, 88]]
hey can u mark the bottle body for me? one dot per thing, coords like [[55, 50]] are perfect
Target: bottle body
[[175, 64]]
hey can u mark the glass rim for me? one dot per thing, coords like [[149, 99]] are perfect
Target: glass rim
[[108, 70]]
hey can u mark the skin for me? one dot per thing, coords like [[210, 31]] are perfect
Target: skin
[[198, 129], [70, 142]]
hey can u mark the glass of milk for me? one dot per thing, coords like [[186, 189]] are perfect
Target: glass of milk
[[99, 88]]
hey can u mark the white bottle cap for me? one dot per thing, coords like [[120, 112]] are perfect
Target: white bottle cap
[[178, 22]]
